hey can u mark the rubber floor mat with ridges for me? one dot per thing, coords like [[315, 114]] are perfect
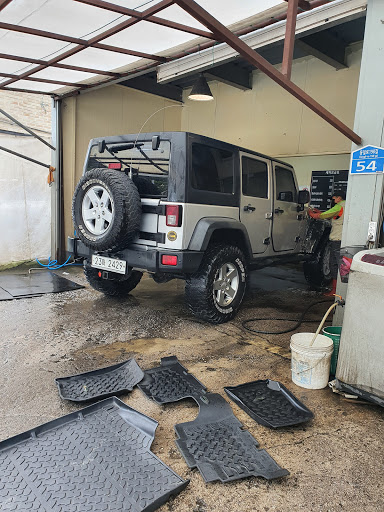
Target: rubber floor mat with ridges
[[95, 459], [170, 382], [217, 445], [269, 403], [112, 380]]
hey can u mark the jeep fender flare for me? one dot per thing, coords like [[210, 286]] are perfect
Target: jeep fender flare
[[206, 227]]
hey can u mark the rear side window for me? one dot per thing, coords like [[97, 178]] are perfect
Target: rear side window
[[254, 177], [285, 185], [212, 169]]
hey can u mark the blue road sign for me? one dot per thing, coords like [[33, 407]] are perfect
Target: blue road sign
[[367, 160]]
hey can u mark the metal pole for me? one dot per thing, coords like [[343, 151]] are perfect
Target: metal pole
[[26, 128], [289, 42], [56, 196], [25, 157]]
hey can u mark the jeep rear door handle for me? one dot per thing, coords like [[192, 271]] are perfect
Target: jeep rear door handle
[[249, 208], [279, 210]]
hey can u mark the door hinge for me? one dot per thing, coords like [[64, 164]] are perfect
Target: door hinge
[[267, 240]]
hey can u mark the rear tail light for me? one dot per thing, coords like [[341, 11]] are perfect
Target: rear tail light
[[114, 166], [168, 260], [173, 215]]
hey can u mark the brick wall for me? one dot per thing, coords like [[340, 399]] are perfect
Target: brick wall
[[33, 110]]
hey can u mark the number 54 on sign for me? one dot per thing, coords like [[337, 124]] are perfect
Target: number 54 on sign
[[367, 160]]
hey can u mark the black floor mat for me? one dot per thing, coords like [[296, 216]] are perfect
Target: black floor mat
[[33, 285], [170, 382], [217, 445], [96, 459], [113, 380], [269, 403]]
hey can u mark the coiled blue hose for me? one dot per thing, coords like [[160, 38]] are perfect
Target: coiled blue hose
[[53, 265]]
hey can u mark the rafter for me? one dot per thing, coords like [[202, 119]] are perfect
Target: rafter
[[222, 32], [289, 41], [4, 3], [29, 60]]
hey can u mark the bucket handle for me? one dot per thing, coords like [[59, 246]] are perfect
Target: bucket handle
[[314, 366]]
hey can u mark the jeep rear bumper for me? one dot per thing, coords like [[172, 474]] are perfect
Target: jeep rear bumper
[[143, 258]]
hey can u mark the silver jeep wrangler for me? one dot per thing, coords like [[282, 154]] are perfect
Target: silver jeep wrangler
[[180, 205]]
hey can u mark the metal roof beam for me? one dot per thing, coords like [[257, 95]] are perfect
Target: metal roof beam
[[289, 41], [153, 19], [29, 60], [83, 42], [223, 33], [4, 3], [44, 80]]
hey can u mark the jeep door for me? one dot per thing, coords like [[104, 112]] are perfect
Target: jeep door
[[256, 200], [286, 223]]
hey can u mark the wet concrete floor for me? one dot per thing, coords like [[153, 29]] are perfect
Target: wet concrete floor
[[335, 461]]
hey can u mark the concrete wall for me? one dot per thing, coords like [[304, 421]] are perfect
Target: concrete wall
[[25, 198], [269, 120], [113, 110]]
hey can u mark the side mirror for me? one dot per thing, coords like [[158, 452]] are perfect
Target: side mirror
[[101, 146], [304, 197], [155, 142], [286, 196]]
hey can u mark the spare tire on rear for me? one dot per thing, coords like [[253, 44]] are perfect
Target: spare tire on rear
[[106, 209]]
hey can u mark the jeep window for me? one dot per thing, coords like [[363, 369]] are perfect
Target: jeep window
[[149, 167], [285, 185], [254, 177], [212, 169]]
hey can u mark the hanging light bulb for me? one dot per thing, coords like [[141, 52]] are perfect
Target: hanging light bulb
[[200, 90]]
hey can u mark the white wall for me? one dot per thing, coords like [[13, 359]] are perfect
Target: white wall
[[25, 201]]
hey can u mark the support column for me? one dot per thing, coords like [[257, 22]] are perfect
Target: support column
[[365, 192]]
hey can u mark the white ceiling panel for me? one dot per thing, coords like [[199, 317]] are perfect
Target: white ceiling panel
[[14, 66], [149, 38], [34, 86], [63, 75], [25, 45], [99, 59]]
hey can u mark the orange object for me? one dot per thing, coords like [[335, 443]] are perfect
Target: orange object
[[50, 178]]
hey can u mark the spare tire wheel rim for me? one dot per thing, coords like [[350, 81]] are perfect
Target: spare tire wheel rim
[[97, 210], [226, 284]]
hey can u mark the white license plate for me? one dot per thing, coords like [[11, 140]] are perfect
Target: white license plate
[[111, 264]]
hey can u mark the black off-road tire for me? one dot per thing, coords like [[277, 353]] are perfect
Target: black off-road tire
[[317, 271], [199, 291], [119, 288], [126, 217]]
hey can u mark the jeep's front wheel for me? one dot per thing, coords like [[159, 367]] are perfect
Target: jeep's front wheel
[[112, 288], [215, 292]]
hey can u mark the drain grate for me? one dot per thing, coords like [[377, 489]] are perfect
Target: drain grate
[[113, 380], [170, 382], [216, 444], [269, 403], [96, 459]]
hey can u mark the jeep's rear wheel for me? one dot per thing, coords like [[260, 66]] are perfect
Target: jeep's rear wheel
[[106, 209], [112, 288], [215, 292], [317, 272]]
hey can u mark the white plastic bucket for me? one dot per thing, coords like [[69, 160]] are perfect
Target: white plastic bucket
[[311, 365]]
